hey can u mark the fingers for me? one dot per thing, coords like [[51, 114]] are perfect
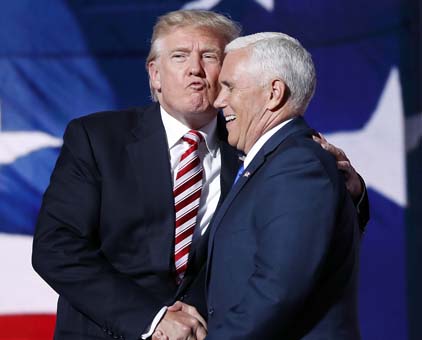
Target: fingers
[[346, 167], [319, 138], [353, 182], [158, 335], [178, 305], [198, 324], [201, 333], [191, 310], [180, 324], [337, 152], [322, 137]]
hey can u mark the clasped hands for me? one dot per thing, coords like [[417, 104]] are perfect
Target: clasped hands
[[181, 322]]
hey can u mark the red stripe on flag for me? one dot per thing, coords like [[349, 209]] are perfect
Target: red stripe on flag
[[27, 327]]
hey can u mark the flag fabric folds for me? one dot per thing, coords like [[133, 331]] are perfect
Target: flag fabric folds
[[66, 58]]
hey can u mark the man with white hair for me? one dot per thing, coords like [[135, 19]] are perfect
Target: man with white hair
[[283, 249]]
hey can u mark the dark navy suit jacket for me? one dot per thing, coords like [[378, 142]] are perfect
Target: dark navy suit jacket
[[283, 251], [105, 234]]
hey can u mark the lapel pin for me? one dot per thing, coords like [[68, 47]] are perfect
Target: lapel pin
[[246, 174]]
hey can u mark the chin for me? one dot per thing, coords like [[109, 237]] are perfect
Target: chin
[[201, 109], [231, 141]]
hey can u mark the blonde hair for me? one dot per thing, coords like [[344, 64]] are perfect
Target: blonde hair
[[215, 22]]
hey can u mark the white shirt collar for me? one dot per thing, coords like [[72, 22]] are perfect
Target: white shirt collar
[[260, 143], [175, 130]]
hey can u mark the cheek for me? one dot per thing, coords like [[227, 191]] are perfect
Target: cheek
[[240, 108], [171, 78], [212, 77]]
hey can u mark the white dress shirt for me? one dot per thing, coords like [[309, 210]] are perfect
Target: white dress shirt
[[260, 143], [210, 156]]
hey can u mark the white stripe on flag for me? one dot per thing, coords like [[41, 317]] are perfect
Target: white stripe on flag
[[22, 290]]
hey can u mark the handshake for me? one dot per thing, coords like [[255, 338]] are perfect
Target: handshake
[[181, 322]]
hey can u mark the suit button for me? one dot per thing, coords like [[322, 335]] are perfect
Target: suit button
[[211, 311]]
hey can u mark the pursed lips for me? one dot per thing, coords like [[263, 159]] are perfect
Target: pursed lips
[[197, 85]]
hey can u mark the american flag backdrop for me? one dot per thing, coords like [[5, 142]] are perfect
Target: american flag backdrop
[[60, 59]]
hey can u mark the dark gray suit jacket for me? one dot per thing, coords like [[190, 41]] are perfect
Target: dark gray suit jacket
[[105, 234]]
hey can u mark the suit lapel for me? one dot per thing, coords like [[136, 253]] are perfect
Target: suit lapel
[[229, 161], [297, 125], [148, 151]]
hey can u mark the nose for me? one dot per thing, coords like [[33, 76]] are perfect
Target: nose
[[220, 101], [196, 68]]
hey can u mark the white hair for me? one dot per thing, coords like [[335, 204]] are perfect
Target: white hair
[[279, 55]]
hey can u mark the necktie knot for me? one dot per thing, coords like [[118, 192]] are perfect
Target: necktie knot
[[193, 137]]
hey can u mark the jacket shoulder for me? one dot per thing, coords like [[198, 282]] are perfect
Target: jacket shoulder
[[112, 121], [115, 117]]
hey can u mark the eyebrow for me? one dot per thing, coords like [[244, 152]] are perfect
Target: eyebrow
[[180, 49], [212, 49], [226, 83], [204, 50]]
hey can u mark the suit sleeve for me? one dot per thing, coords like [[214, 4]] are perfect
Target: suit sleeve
[[67, 251], [362, 206], [295, 219]]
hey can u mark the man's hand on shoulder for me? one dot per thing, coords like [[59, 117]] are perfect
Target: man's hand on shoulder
[[181, 322], [353, 181]]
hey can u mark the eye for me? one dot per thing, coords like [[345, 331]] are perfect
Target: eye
[[178, 57], [227, 87], [211, 57]]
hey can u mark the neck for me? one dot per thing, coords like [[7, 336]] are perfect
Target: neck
[[265, 124]]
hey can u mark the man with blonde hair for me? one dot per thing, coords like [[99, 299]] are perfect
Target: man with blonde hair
[[123, 228]]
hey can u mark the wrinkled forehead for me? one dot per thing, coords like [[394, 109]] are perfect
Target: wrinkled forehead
[[237, 65], [237, 59], [192, 37]]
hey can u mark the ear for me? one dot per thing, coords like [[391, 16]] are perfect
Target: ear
[[154, 75], [279, 94]]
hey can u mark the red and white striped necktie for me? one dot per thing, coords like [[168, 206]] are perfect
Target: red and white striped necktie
[[187, 193]]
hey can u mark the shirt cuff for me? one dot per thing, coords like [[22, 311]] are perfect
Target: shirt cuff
[[154, 323]]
